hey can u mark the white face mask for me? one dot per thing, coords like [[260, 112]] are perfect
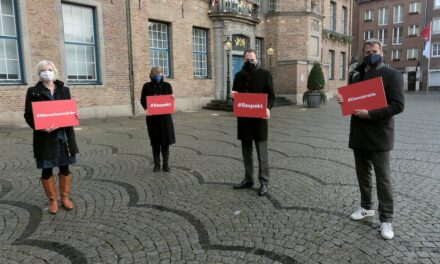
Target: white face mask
[[47, 75]]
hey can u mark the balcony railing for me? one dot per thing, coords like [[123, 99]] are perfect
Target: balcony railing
[[239, 7], [330, 34]]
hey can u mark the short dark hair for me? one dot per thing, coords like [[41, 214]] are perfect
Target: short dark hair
[[250, 51], [371, 42]]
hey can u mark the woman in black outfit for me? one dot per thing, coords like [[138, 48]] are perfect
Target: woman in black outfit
[[160, 127], [53, 147]]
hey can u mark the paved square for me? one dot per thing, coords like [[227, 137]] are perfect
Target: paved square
[[125, 213]]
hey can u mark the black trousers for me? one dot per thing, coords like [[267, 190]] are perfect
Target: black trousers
[[263, 160], [165, 149], [48, 172], [366, 161]]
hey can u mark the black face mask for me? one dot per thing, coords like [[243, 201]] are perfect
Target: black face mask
[[373, 60], [249, 67]]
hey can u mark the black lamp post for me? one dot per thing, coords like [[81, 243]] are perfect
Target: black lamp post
[[270, 52], [228, 48]]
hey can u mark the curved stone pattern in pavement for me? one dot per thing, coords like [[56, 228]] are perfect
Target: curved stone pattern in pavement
[[127, 214]]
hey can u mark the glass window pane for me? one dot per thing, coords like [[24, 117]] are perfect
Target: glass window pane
[[68, 33], [13, 67], [8, 25], [81, 53], [3, 72], [90, 54], [87, 17], [91, 71], [89, 35], [70, 54], [2, 49], [67, 15], [82, 70], [78, 32], [7, 7], [71, 69], [11, 49]]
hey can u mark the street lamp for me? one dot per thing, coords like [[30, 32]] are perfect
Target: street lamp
[[228, 48], [270, 52]]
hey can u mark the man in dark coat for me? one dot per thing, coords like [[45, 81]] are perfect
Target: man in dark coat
[[372, 137], [254, 80], [160, 127]]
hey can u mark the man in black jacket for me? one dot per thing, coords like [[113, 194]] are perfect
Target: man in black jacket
[[254, 80], [372, 137]]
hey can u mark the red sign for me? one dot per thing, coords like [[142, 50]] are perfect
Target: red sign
[[57, 113], [368, 95], [160, 105], [250, 105]]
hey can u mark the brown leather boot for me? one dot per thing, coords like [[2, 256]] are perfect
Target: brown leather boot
[[64, 190], [51, 193]]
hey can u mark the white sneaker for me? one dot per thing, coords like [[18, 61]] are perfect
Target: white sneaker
[[386, 230], [361, 213]]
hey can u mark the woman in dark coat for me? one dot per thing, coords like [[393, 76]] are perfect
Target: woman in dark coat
[[53, 147], [160, 127]]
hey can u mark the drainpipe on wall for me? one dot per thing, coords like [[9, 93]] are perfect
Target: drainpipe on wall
[[130, 56]]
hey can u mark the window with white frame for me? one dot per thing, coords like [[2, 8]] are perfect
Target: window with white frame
[[368, 15], [414, 8], [397, 35], [259, 50], [271, 5], [344, 20], [10, 59], [342, 65], [200, 52], [413, 30], [436, 50], [436, 3], [436, 25], [80, 43], [331, 68], [384, 54], [412, 54], [383, 16], [159, 46], [368, 34], [332, 18], [382, 35], [395, 55], [398, 14]]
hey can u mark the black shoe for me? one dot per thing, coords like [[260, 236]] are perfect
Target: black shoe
[[166, 168], [156, 168], [243, 184], [263, 190]]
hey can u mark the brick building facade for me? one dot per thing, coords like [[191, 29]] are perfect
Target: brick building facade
[[105, 49], [397, 23], [93, 34]]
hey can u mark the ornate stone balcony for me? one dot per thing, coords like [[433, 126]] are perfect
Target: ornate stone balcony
[[247, 10]]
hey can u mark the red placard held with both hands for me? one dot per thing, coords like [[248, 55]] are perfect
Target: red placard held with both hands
[[368, 95], [160, 105], [250, 105], [57, 113]]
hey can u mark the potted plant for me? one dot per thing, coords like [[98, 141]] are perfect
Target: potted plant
[[315, 95]]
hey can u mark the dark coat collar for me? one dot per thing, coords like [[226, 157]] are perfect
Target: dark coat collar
[[39, 88]]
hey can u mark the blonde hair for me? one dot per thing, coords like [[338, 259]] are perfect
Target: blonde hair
[[43, 63], [154, 71]]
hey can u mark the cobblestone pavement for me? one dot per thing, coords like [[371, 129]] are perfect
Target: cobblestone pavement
[[125, 213]]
